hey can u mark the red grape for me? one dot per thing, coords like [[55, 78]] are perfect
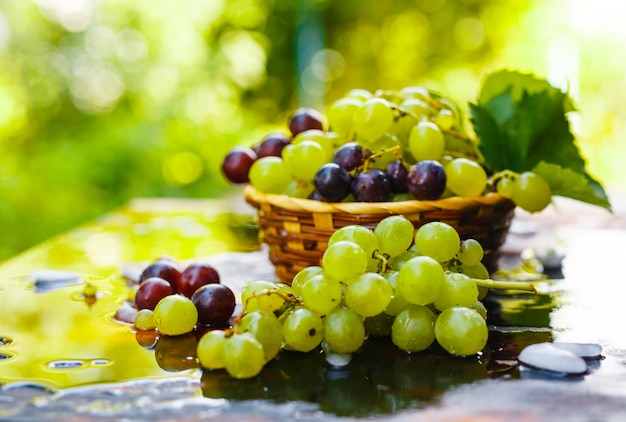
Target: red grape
[[397, 173], [195, 276], [371, 186], [332, 182], [427, 180], [305, 119], [215, 303], [272, 145], [349, 156], [151, 291], [165, 268], [237, 163]]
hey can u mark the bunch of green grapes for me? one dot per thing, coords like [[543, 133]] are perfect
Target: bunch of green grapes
[[415, 286]]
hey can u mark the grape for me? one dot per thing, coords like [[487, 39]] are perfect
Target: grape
[[368, 294], [303, 329], [151, 291], [359, 94], [266, 328], [397, 262], [394, 234], [195, 276], [418, 110], [176, 353], [305, 119], [373, 119], [323, 139], [531, 192], [300, 189], [506, 187], [304, 159], [236, 165], [363, 237], [379, 325], [321, 293], [461, 331], [478, 271], [243, 355], [210, 349], [145, 320], [343, 331], [421, 280], [397, 302], [303, 276], [385, 147], [426, 141], [418, 92], [332, 183], [341, 115], [349, 156], [175, 315], [426, 180], [397, 174], [261, 294], [470, 253], [272, 145], [164, 268], [445, 118], [270, 175], [413, 329], [437, 240], [465, 177], [344, 260], [371, 186], [215, 303], [458, 290], [479, 307]]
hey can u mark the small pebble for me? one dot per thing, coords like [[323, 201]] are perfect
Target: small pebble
[[547, 357], [583, 350], [126, 313]]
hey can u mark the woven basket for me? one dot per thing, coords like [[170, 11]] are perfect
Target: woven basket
[[297, 230]]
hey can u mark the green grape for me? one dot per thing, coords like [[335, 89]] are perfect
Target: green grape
[[470, 253], [458, 290], [261, 294], [368, 294], [299, 189], [270, 175], [303, 329], [243, 356], [465, 177], [401, 197], [531, 192], [373, 119], [480, 308], [397, 302], [303, 276], [145, 320], [418, 92], [445, 118], [461, 331], [359, 94], [398, 261], [394, 234], [266, 328], [320, 137], [175, 315], [304, 159], [341, 115], [416, 111], [413, 329], [343, 331], [438, 240], [344, 260], [321, 293], [360, 235], [426, 142], [506, 187], [421, 280], [210, 349], [379, 325], [384, 148], [478, 271]]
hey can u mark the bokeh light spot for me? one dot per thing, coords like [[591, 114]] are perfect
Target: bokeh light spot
[[469, 33], [182, 168]]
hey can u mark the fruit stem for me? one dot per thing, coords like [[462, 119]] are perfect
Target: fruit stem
[[384, 261], [287, 296], [505, 285]]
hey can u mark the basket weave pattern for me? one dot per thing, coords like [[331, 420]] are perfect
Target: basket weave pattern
[[297, 230]]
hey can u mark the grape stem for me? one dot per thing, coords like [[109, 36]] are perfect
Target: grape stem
[[287, 296], [373, 155], [384, 261], [504, 174], [505, 285]]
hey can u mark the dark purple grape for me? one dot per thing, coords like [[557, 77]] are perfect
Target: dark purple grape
[[397, 173], [349, 156], [165, 268], [272, 145], [371, 186], [195, 276], [151, 291], [332, 183], [237, 163], [215, 303], [305, 119], [427, 180]]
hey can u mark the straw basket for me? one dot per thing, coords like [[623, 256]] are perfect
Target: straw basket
[[297, 230]]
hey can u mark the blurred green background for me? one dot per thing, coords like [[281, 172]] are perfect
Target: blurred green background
[[102, 101]]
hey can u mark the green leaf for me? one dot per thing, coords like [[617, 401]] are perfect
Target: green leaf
[[569, 183]]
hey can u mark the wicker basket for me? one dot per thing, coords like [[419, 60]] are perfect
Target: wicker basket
[[297, 230]]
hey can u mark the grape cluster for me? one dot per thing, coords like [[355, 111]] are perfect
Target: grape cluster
[[388, 146]]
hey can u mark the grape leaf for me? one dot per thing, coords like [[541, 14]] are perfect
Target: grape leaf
[[566, 182], [521, 120]]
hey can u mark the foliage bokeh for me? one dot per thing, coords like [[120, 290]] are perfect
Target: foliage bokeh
[[102, 101]]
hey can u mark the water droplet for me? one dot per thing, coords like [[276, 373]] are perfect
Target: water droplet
[[100, 362], [65, 364], [5, 340], [5, 356]]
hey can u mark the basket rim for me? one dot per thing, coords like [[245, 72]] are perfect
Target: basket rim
[[453, 203]]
